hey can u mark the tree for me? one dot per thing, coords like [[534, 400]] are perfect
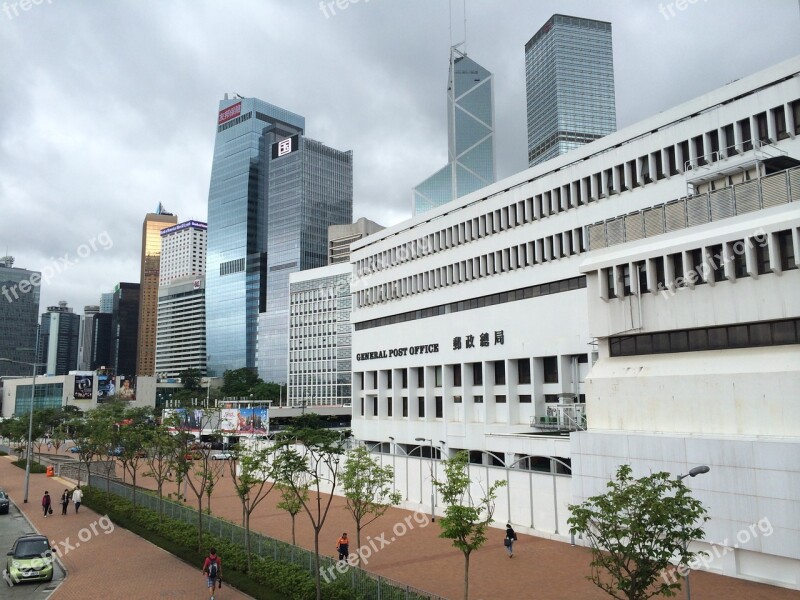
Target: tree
[[251, 472], [160, 447], [313, 458], [133, 433], [465, 520], [239, 382], [367, 489], [636, 529], [292, 499], [269, 391], [191, 379]]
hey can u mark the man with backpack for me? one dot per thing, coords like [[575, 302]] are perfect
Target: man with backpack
[[212, 570]]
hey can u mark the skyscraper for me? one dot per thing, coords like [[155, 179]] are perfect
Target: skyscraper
[[310, 188], [87, 335], [181, 331], [569, 77], [470, 136], [125, 329], [148, 290], [19, 314], [236, 260], [58, 340]]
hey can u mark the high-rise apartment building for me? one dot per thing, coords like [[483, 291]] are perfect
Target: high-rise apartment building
[[107, 302], [569, 80], [341, 236], [124, 329], [148, 291], [58, 340], [102, 338], [181, 328], [310, 188], [86, 336], [236, 263], [470, 136], [19, 314]]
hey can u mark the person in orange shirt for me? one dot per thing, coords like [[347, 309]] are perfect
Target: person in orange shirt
[[343, 546]]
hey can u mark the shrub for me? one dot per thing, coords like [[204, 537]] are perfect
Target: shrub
[[35, 466]]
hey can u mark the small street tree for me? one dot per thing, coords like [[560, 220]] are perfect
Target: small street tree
[[292, 501], [313, 455], [367, 489], [466, 519], [160, 447], [133, 433], [636, 530]]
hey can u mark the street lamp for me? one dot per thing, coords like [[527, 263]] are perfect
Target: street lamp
[[694, 472], [30, 422], [422, 439]]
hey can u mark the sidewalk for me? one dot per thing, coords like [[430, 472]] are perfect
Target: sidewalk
[[103, 561]]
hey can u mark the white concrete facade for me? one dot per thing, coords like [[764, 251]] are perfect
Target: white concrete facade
[[523, 260]]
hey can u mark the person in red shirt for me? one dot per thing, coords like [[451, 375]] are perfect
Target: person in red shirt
[[212, 571]]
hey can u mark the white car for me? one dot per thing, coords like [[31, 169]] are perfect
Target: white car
[[224, 455]]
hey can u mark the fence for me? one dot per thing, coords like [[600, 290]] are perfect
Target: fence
[[364, 584]]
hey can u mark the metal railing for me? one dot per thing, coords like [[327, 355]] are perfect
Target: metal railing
[[365, 585], [765, 192], [562, 417]]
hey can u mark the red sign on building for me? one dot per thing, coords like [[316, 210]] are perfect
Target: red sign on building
[[226, 114]]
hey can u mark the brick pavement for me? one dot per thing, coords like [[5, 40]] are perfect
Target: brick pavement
[[115, 565], [541, 569]]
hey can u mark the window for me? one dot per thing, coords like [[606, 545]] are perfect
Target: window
[[405, 406], [499, 372], [626, 279], [673, 167], [747, 137], [699, 151], [437, 372], [457, 400], [375, 407], [550, 366], [762, 257], [456, 375], [477, 373], [715, 260], [780, 122], [421, 406], [439, 407], [661, 278], [389, 379], [738, 250], [551, 398], [524, 398], [676, 260], [696, 257], [641, 273], [421, 376], [500, 399], [796, 114], [730, 140], [524, 370], [610, 282], [761, 125], [786, 250], [478, 399], [404, 375], [389, 406]]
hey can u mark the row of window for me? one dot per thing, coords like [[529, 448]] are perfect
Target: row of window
[[728, 140], [718, 262], [532, 291], [748, 335]]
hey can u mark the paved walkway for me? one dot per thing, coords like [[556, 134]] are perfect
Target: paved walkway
[[541, 569], [103, 562]]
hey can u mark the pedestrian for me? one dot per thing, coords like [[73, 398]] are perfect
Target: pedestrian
[[64, 502], [46, 502], [508, 542], [212, 571], [343, 546], [77, 496]]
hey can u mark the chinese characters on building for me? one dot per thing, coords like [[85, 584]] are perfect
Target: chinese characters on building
[[483, 340]]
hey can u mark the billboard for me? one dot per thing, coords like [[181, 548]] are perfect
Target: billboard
[[105, 386], [285, 146], [185, 419], [83, 387], [226, 114], [253, 420], [127, 387]]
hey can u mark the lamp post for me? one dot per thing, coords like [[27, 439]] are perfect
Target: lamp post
[[30, 422], [422, 439], [694, 472]]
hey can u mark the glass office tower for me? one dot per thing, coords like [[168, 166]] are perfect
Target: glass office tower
[[470, 136], [19, 317], [569, 72], [310, 187], [238, 216]]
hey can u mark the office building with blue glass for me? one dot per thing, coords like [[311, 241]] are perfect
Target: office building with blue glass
[[19, 313], [569, 80], [470, 136], [272, 196]]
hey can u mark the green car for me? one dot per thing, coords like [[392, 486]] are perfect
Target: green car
[[30, 559]]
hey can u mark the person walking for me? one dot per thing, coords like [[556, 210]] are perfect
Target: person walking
[[212, 571], [508, 542], [64, 502], [343, 546], [46, 503], [77, 496]]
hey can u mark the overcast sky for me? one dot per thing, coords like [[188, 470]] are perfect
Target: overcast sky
[[108, 108]]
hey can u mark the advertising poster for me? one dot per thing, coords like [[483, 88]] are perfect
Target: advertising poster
[[253, 420], [127, 387], [83, 387], [229, 420], [105, 386]]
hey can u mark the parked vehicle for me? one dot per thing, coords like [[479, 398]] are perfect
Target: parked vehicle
[[75, 449], [4, 503], [30, 559], [224, 455]]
